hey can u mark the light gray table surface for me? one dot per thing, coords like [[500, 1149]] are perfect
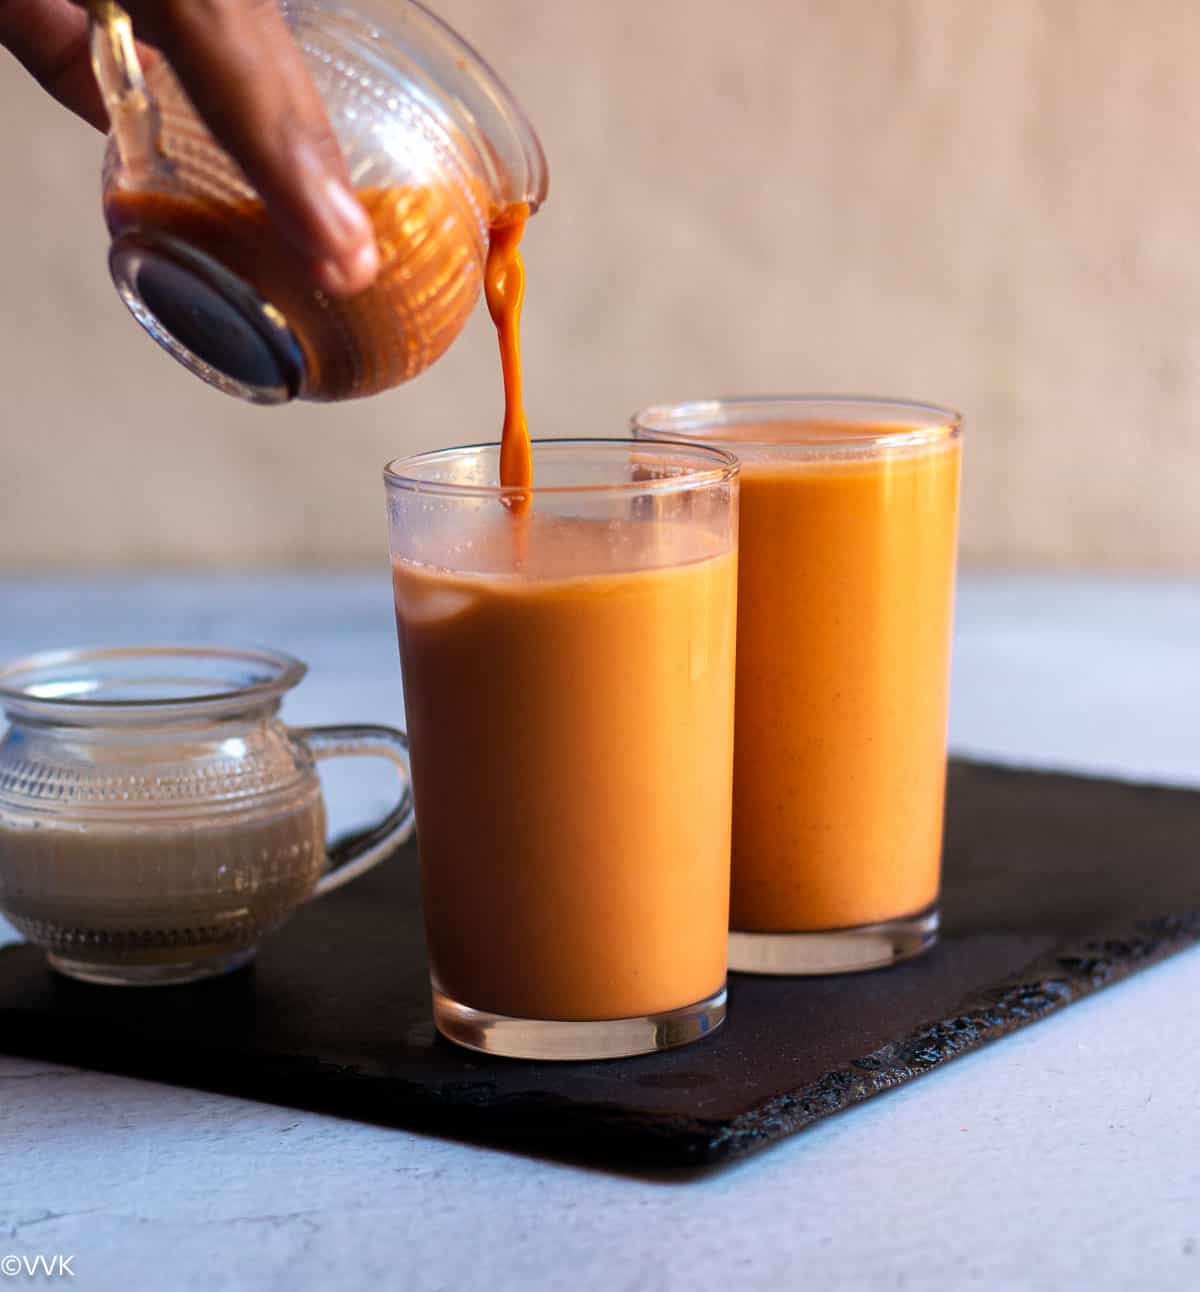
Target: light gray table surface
[[1066, 1156]]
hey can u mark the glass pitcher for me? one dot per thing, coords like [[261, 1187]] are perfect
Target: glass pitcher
[[156, 817], [437, 148]]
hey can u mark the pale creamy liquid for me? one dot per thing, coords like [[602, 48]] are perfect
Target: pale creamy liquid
[[571, 743], [845, 600], [120, 893]]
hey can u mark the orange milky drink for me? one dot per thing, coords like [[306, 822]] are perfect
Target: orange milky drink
[[849, 521], [568, 671]]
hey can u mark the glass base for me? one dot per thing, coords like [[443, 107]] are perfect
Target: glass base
[[868, 946], [606, 1038], [151, 975]]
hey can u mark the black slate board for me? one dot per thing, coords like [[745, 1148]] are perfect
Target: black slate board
[[1055, 886]]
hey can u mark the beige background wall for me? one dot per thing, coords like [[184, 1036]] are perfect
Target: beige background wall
[[995, 205]]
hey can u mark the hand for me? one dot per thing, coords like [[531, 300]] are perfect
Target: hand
[[247, 79]]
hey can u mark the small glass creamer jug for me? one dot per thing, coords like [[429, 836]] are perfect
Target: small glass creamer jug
[[437, 149], [156, 817]]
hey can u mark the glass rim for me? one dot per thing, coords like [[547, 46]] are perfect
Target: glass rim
[[21, 693], [723, 467], [508, 110], [482, 107], [705, 419]]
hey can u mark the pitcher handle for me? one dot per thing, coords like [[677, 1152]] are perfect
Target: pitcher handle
[[132, 110], [354, 856]]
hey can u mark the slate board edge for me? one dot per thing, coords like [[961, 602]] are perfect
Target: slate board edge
[[1068, 973], [551, 1125], [556, 1126]]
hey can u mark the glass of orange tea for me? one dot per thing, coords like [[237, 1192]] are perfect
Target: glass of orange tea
[[567, 651], [849, 522]]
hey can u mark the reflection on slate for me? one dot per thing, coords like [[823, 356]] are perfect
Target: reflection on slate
[[1055, 886]]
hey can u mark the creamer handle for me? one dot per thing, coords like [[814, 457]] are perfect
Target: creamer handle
[[132, 111], [352, 857]]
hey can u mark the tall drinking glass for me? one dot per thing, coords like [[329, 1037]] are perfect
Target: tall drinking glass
[[849, 519], [568, 662]]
